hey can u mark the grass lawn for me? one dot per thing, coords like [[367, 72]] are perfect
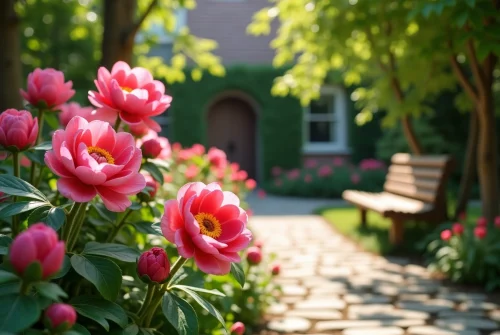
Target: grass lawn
[[375, 237]]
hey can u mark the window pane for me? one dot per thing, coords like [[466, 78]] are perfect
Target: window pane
[[324, 105], [320, 132]]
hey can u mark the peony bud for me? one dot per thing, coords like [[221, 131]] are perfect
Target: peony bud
[[446, 235], [480, 232], [152, 188], [18, 130], [39, 243], [217, 158], [154, 264], [254, 255], [250, 184], [457, 228], [151, 148], [47, 89], [238, 328], [60, 317], [275, 269], [482, 222]]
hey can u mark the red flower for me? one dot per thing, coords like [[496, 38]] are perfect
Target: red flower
[[217, 158], [446, 235], [457, 228], [482, 222], [238, 328], [18, 130], [497, 222], [254, 255], [275, 269], [480, 232], [155, 264], [60, 317]]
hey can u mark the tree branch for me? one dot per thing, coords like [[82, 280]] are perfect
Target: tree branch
[[489, 65], [462, 79], [137, 25], [476, 67]]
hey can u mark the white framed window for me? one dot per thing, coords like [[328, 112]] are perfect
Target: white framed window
[[325, 122]]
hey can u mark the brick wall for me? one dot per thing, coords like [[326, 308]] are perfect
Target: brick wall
[[226, 21]]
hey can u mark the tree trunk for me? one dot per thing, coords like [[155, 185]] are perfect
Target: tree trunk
[[411, 137], [118, 40], [10, 63], [487, 167], [469, 168]]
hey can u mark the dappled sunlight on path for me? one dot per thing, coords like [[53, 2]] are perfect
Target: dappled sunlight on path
[[331, 287]]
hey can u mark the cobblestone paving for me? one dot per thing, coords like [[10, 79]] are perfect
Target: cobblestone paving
[[330, 287]]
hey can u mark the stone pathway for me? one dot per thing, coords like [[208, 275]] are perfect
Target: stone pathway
[[330, 287]]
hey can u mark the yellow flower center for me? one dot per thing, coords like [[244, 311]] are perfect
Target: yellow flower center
[[209, 225], [127, 89], [100, 155]]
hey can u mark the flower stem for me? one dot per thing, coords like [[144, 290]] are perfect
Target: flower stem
[[40, 125], [17, 173], [75, 221], [117, 123], [176, 267], [118, 226], [25, 287], [147, 300]]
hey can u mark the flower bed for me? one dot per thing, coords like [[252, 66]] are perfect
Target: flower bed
[[89, 244], [328, 180]]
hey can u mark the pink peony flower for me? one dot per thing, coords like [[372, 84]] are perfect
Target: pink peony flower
[[217, 157], [176, 147], [240, 175], [324, 171], [355, 178], [275, 269], [156, 147], [457, 228], [261, 193], [446, 235], [91, 158], [371, 164], [153, 186], [338, 161], [276, 171], [154, 264], [482, 222], [47, 89], [238, 328], [311, 163], [71, 109], [198, 149], [207, 224], [308, 178], [39, 243], [254, 255], [250, 184], [497, 222], [219, 173], [234, 167], [132, 94], [192, 171], [480, 232], [18, 130], [60, 317], [186, 154], [294, 174]]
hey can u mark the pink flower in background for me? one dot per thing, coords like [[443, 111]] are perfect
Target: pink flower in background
[[185, 154], [25, 161], [308, 178], [276, 171], [234, 167], [338, 161], [154, 146], [261, 193], [458, 228], [497, 222], [480, 232], [482, 222], [293, 174], [47, 89], [154, 263], [446, 235], [324, 171], [217, 157], [168, 178], [278, 182], [311, 163], [60, 317], [153, 185], [220, 173], [250, 184], [259, 244], [71, 109], [254, 255], [39, 243], [176, 147], [18, 130], [131, 94], [355, 178], [241, 175], [275, 269], [198, 149], [192, 171], [138, 130], [207, 224], [238, 328], [371, 164], [92, 159]]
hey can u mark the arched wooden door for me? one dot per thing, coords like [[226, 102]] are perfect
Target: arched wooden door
[[231, 127]]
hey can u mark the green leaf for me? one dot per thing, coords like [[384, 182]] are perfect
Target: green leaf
[[36, 156], [6, 276], [64, 269], [154, 171], [50, 290], [470, 3], [206, 306], [33, 272], [78, 329], [18, 312], [10, 209], [44, 146], [12, 287], [131, 329], [180, 314], [146, 227], [54, 217], [113, 250], [15, 186], [100, 310], [198, 289], [104, 213], [102, 272], [178, 277], [5, 242], [238, 273], [51, 120]]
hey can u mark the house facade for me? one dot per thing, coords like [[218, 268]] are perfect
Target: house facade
[[238, 114]]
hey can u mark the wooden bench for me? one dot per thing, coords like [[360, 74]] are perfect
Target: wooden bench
[[415, 189]]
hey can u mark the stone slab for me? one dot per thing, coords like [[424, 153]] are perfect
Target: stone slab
[[323, 303], [460, 314], [366, 299], [430, 306], [477, 305], [277, 309], [319, 314], [374, 331], [346, 324], [293, 290], [433, 330], [468, 323], [289, 325]]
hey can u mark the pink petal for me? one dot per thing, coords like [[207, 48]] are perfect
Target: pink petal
[[152, 124], [103, 135], [187, 191], [171, 220], [229, 256], [230, 199], [211, 202], [240, 243], [142, 76], [120, 66], [110, 170], [67, 159], [132, 184], [114, 201], [211, 265], [89, 176], [117, 95], [123, 156], [184, 244], [226, 213], [54, 260], [135, 162], [130, 118], [83, 158], [208, 244], [55, 165], [74, 189], [123, 141], [231, 230], [191, 225]]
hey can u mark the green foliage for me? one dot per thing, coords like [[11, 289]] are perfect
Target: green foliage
[[279, 125]]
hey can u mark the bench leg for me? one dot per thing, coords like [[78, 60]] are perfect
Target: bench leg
[[362, 213], [397, 231]]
